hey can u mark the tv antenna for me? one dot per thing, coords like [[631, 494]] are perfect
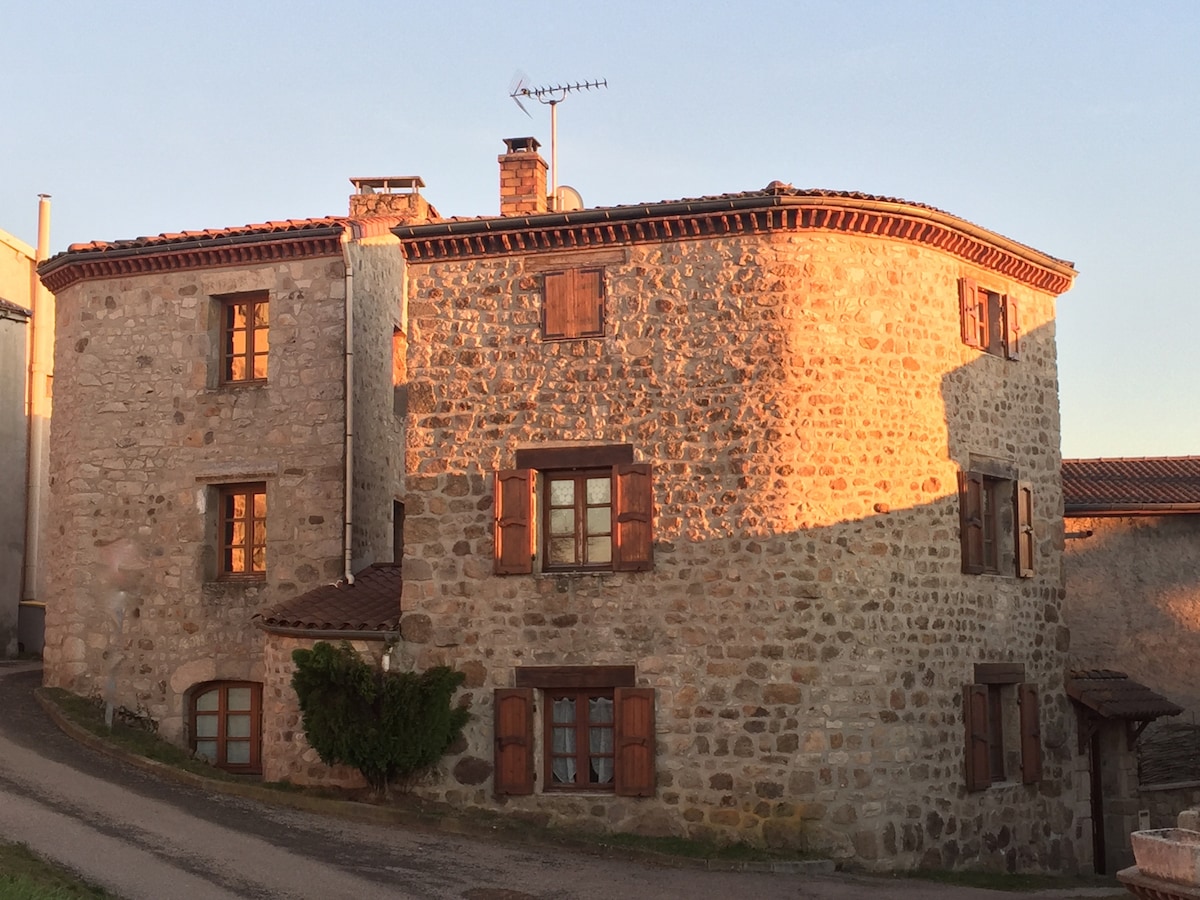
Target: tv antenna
[[550, 95]]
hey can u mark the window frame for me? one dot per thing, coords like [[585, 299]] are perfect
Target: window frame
[[522, 497], [581, 533], [634, 730], [986, 705], [255, 335], [582, 726], [989, 320], [222, 739], [227, 523], [988, 544], [573, 306]]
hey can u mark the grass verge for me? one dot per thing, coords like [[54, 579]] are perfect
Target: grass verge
[[26, 876]]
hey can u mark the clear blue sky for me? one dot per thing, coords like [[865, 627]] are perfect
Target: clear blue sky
[[1069, 126]]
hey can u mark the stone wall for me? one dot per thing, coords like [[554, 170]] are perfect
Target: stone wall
[[287, 755], [378, 433], [807, 404], [142, 437], [1133, 601]]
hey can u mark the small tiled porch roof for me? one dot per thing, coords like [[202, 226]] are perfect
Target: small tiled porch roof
[[9, 310], [370, 608], [1152, 485], [1114, 695]]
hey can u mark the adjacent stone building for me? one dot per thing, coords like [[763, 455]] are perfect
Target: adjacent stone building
[[225, 439], [1132, 570], [741, 514]]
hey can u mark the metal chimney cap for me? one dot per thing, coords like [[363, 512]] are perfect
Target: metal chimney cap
[[522, 144]]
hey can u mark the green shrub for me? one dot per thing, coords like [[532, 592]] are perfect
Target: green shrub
[[388, 725]]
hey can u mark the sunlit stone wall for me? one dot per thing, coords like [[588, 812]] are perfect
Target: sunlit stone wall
[[807, 403]]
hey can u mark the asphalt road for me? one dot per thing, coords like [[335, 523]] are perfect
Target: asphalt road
[[147, 839]]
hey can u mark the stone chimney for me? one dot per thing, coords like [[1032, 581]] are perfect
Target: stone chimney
[[396, 195], [522, 178]]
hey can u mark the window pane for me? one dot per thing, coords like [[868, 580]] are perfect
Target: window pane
[[599, 550], [260, 365], [208, 701], [599, 520], [563, 770], [237, 315], [237, 343], [237, 753], [562, 521], [206, 726], [237, 369], [237, 726], [237, 698], [600, 710], [564, 711], [207, 750], [562, 550], [260, 315], [237, 560], [599, 490], [562, 493]]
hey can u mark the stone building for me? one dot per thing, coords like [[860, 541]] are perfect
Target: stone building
[[1132, 571], [741, 514], [224, 439]]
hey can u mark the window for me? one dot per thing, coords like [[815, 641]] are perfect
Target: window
[[244, 341], [579, 750], [1002, 727], [996, 523], [595, 507], [243, 530], [597, 731], [226, 725], [573, 304], [989, 320]]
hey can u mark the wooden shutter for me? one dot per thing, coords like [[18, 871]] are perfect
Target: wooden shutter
[[587, 302], [513, 552], [514, 741], [555, 300], [635, 750], [1012, 327], [975, 717], [1031, 734], [968, 307], [970, 510], [632, 518], [1023, 498], [573, 304]]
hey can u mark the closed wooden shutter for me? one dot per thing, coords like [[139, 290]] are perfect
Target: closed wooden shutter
[[975, 717], [1012, 327], [514, 741], [513, 552], [1024, 536], [1031, 734], [635, 750], [970, 509], [573, 304], [968, 307], [632, 518]]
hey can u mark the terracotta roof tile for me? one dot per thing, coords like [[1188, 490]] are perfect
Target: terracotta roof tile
[[1114, 695], [209, 234], [1139, 484], [371, 604]]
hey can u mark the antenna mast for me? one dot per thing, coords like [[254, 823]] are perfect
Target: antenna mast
[[552, 95]]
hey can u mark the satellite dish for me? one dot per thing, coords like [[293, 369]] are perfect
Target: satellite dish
[[567, 199]]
